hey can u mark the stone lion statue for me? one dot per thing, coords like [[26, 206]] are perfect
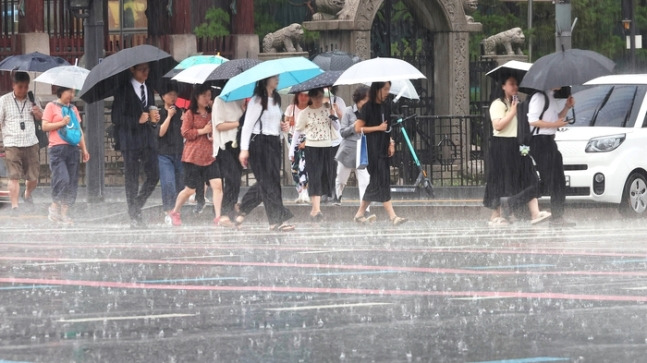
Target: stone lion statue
[[335, 9], [470, 6], [511, 40], [284, 40]]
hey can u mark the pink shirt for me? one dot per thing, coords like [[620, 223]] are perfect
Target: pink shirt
[[54, 113]]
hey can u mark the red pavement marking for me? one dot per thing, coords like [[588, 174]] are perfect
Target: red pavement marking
[[316, 290], [431, 270]]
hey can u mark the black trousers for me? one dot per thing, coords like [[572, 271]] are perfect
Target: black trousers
[[551, 172], [265, 161], [134, 161], [231, 172]]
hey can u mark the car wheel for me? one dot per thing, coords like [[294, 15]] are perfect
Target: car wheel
[[634, 197]]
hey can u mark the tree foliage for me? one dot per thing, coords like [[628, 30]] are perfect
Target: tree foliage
[[216, 24]]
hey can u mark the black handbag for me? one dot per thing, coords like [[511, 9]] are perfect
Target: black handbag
[[43, 140]]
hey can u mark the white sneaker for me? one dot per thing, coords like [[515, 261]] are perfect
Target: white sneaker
[[167, 220], [192, 198]]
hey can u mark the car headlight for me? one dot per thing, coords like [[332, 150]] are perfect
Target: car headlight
[[605, 144]]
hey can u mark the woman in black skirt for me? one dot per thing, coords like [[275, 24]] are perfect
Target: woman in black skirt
[[320, 130], [260, 145], [511, 178], [372, 121]]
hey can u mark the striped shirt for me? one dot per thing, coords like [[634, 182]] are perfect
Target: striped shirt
[[12, 113]]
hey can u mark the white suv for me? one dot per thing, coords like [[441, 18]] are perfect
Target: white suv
[[605, 150]]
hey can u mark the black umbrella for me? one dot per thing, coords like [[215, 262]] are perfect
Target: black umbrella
[[232, 68], [325, 79], [566, 68], [31, 62], [106, 77], [335, 60]]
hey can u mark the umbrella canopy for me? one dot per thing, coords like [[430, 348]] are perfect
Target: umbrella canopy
[[194, 61], [379, 70], [326, 79], [31, 62], [512, 68], [106, 77], [232, 68], [335, 60], [566, 68], [195, 74], [291, 71], [402, 88], [64, 76]]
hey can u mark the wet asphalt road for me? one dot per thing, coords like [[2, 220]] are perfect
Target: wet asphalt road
[[449, 291]]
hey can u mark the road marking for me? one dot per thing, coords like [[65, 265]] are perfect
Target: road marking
[[194, 279], [331, 290], [617, 262], [198, 257], [507, 267], [25, 287], [527, 360], [11, 361], [356, 273], [475, 298], [327, 251], [138, 317], [319, 307], [635, 288]]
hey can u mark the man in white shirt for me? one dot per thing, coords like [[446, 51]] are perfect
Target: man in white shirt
[[544, 149], [17, 114]]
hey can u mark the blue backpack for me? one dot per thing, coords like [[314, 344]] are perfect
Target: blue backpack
[[71, 133]]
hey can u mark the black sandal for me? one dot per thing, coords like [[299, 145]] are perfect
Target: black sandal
[[283, 227]]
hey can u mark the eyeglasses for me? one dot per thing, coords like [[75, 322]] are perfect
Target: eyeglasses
[[22, 125]]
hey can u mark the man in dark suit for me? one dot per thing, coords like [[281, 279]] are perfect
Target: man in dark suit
[[135, 133]]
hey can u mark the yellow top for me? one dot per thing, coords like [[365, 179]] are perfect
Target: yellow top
[[498, 109]]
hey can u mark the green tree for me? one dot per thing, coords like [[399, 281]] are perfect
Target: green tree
[[216, 24]]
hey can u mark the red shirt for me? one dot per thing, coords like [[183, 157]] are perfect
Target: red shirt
[[198, 149]]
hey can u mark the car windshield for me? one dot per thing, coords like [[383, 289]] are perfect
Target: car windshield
[[605, 105]]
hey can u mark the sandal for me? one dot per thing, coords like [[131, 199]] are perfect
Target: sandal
[[361, 219], [396, 221], [498, 221], [541, 216], [223, 222], [240, 219], [283, 227]]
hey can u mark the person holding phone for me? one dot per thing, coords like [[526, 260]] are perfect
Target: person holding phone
[[511, 180], [544, 149], [260, 149], [17, 114]]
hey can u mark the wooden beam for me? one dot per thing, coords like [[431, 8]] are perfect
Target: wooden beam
[[33, 19]]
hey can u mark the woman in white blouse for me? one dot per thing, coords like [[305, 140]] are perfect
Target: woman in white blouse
[[260, 147]]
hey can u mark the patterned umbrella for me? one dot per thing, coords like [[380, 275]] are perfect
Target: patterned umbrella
[[325, 79], [335, 60], [232, 68], [31, 62]]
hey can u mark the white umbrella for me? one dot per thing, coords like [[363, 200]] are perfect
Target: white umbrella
[[64, 76], [196, 74], [402, 88], [379, 70]]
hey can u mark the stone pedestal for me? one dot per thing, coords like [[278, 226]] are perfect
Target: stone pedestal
[[183, 45], [270, 56], [246, 46], [503, 59], [35, 42]]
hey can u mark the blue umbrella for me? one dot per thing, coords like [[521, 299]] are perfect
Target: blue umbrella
[[291, 71]]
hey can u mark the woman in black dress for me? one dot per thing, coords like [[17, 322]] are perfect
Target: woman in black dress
[[372, 121], [511, 180]]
